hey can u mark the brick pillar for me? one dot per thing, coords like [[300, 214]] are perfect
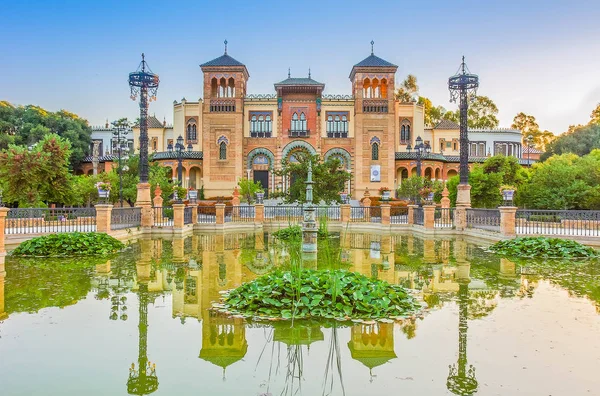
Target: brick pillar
[[508, 217], [194, 213], [103, 216], [429, 217], [157, 201], [259, 213], [178, 216], [220, 210], [385, 214], [236, 197], [345, 213], [3, 214], [445, 201], [411, 213], [460, 218]]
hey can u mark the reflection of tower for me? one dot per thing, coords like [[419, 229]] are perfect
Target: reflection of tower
[[297, 335], [461, 379], [142, 380], [372, 344], [223, 340]]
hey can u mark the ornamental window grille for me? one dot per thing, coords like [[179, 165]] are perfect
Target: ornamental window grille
[[222, 151], [337, 125], [405, 132], [298, 122], [375, 151], [261, 125]]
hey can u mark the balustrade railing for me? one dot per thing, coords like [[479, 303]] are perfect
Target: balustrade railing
[[418, 216], [398, 215], [239, 214], [558, 222], [375, 106], [207, 214], [284, 213], [484, 219], [444, 217], [163, 216], [365, 214], [50, 220], [329, 212], [187, 215], [121, 218], [222, 105]]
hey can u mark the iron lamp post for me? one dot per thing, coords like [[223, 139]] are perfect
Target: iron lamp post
[[120, 132], [420, 150], [528, 142]]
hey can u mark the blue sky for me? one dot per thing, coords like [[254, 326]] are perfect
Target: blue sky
[[540, 57]]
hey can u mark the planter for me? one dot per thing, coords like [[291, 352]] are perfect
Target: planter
[[507, 196], [259, 197], [103, 195]]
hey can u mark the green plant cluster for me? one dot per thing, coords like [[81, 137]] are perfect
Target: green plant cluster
[[295, 232], [69, 244], [543, 247], [320, 293]]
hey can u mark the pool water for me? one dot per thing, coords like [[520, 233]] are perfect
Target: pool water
[[492, 326]]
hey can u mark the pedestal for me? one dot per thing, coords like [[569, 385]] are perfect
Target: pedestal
[[463, 195], [309, 231]]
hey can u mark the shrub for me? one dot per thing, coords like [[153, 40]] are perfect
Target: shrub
[[543, 247], [69, 244]]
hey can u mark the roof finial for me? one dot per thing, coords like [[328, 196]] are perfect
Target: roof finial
[[372, 43], [463, 64], [225, 42], [309, 72], [143, 62], [289, 72]]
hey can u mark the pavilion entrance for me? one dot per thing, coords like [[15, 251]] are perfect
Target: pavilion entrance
[[262, 177]]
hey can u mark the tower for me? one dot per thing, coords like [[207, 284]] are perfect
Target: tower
[[225, 81], [373, 90]]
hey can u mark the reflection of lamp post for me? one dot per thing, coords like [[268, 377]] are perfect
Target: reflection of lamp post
[[120, 131], [461, 85], [142, 380]]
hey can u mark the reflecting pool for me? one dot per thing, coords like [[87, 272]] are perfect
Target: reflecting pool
[[140, 323]]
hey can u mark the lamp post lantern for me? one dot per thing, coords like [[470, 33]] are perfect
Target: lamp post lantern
[[143, 82], [528, 142], [463, 86]]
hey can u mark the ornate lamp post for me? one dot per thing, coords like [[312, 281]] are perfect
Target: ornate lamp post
[[420, 149], [529, 143], [179, 150], [309, 225], [145, 84], [120, 132], [462, 85]]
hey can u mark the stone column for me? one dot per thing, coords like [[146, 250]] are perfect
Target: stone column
[[220, 211], [445, 201], [463, 195], [259, 213], [194, 207], [508, 217], [143, 201], [429, 217], [460, 218], [411, 213], [103, 217], [236, 197], [385, 214], [178, 216], [345, 213]]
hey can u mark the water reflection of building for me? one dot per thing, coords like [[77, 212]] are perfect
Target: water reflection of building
[[372, 344], [298, 334], [223, 340]]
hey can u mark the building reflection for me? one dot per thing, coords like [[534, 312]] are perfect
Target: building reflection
[[372, 344]]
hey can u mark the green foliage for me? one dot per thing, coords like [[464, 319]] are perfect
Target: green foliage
[[579, 140], [324, 293], [28, 125], [329, 178], [563, 182], [411, 187], [294, 232], [408, 89], [69, 244], [482, 114], [530, 129], [248, 189], [32, 176], [543, 247]]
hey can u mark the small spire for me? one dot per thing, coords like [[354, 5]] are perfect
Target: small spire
[[463, 64], [107, 123], [225, 42], [289, 73], [372, 44], [309, 72], [143, 62]]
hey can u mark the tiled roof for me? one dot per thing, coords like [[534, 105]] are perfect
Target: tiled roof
[[173, 155], [374, 61], [153, 122], [446, 158], [531, 150], [102, 158], [223, 60], [447, 124], [405, 155], [299, 81]]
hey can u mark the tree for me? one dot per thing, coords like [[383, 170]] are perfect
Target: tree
[[529, 127], [38, 175], [410, 188], [579, 140], [248, 188], [481, 114], [329, 178], [408, 89], [595, 116], [433, 114]]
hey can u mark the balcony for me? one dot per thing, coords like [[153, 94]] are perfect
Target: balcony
[[375, 106], [222, 105], [299, 133]]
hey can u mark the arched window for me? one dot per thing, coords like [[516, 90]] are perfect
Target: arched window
[[223, 151], [375, 151], [231, 87], [329, 125], [260, 124], [302, 122], [295, 123], [405, 132], [367, 88], [191, 131]]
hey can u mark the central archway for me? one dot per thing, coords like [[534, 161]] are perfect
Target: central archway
[[297, 144]]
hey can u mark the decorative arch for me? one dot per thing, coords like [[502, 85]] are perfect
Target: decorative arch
[[260, 151], [222, 139], [339, 152], [374, 139], [295, 145]]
